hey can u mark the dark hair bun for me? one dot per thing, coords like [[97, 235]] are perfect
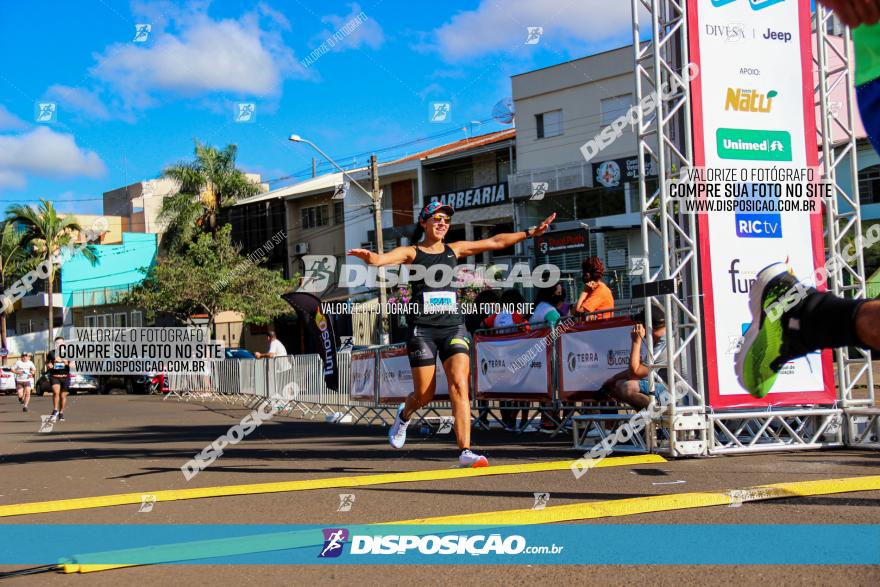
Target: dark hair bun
[[593, 268]]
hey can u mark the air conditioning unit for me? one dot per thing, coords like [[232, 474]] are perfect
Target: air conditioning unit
[[301, 248]]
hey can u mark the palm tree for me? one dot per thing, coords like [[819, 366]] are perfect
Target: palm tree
[[14, 263], [205, 186], [47, 234]]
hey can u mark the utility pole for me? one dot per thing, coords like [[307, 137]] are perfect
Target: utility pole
[[384, 327]]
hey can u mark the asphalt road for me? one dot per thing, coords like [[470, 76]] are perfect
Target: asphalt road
[[125, 444]]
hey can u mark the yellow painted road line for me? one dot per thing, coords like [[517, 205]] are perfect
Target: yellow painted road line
[[564, 513], [82, 503], [656, 503]]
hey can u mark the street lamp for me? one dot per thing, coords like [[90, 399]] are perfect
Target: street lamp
[[376, 195], [299, 139]]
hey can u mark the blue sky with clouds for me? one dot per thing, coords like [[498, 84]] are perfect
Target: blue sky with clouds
[[126, 109]]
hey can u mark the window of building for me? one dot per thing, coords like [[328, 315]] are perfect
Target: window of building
[[463, 179], [615, 107], [869, 185], [600, 202], [503, 167], [137, 318], [549, 124], [99, 320], [338, 213], [314, 217], [120, 320]]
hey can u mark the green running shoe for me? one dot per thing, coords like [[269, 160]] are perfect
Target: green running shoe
[[769, 342]]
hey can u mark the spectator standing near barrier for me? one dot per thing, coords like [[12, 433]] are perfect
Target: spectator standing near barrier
[[549, 303], [631, 385], [547, 311], [437, 327], [596, 295], [59, 378], [509, 321], [485, 301], [24, 370], [276, 349]]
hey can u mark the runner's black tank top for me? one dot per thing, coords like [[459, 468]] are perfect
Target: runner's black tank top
[[442, 309]]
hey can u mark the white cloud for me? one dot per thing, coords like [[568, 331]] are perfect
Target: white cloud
[[497, 26], [192, 54], [9, 121], [79, 100], [45, 153], [366, 31]]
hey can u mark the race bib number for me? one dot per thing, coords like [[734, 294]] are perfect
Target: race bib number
[[59, 366], [437, 302]]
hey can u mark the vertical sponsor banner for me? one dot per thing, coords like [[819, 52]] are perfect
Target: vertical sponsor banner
[[363, 375], [320, 327], [590, 354], [753, 110], [515, 366], [395, 377]]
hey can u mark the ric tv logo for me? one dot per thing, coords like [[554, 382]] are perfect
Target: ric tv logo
[[758, 225]]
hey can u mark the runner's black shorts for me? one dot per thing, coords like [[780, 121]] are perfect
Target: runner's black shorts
[[424, 343], [63, 381]]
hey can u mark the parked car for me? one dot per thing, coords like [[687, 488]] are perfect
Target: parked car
[[80, 382], [42, 385], [239, 354], [7, 380], [151, 383], [77, 383], [110, 382]]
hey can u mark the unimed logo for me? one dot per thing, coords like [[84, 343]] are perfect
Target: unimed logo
[[758, 226], [753, 145]]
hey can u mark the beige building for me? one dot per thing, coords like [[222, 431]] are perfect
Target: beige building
[[140, 203], [559, 109]]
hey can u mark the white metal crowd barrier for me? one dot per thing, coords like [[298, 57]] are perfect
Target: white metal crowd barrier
[[561, 391]]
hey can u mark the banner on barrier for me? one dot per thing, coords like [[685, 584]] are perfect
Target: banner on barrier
[[497, 373], [395, 377], [754, 115], [363, 375], [592, 353]]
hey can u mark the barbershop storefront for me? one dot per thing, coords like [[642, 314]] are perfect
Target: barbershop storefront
[[472, 177], [480, 212]]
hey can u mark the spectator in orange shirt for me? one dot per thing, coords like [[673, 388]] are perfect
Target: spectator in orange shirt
[[596, 295]]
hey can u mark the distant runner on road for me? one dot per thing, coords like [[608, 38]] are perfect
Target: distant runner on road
[[59, 378], [24, 370]]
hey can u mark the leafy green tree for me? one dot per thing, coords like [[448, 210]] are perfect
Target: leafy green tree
[[206, 185], [15, 261], [46, 234], [208, 277]]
